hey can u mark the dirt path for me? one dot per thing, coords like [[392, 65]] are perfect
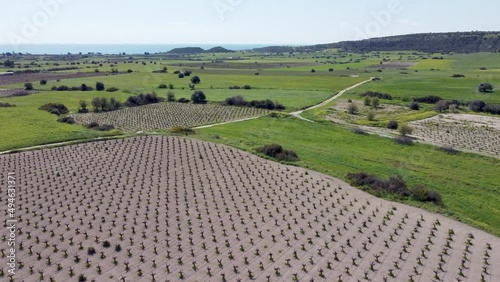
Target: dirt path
[[298, 113]]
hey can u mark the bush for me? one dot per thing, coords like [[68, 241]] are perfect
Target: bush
[[367, 101], [247, 87], [162, 86], [415, 106], [236, 101], [375, 102], [359, 131], [28, 86], [20, 93], [403, 140], [170, 96], [181, 75], [277, 152], [450, 150], [6, 105], [99, 86], [43, 82], [442, 106], [91, 251], [405, 129], [379, 95], [112, 89], [428, 99], [195, 79], [485, 87], [68, 120], [183, 100], [234, 87], [143, 99], [492, 109], [96, 126], [330, 69], [352, 109], [395, 185], [457, 75], [182, 130], [118, 248], [106, 244], [199, 97], [392, 125], [370, 115], [477, 105], [55, 108]]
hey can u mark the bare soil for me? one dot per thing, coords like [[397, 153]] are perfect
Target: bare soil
[[185, 210], [394, 65], [35, 77]]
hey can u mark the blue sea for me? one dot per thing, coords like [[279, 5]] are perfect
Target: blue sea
[[58, 49]]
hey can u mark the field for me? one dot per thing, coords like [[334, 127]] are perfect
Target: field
[[169, 115], [164, 208], [479, 134]]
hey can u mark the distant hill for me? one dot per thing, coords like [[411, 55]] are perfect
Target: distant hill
[[459, 42], [186, 50], [219, 49]]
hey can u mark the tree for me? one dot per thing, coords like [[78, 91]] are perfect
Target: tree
[[392, 125], [415, 106], [99, 86], [405, 129], [84, 87], [442, 105], [352, 109], [9, 64], [43, 82], [28, 86], [171, 96], [485, 87], [104, 104], [199, 97], [96, 103], [195, 79], [83, 107], [477, 105]]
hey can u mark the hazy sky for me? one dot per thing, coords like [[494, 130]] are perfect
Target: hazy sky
[[235, 21]]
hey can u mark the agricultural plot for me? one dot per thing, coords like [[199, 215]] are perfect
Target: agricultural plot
[[170, 209], [478, 134], [16, 92], [168, 115], [33, 77]]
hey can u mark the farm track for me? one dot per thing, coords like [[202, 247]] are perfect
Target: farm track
[[190, 210], [297, 114]]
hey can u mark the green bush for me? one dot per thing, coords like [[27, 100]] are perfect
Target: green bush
[[55, 108], [277, 152]]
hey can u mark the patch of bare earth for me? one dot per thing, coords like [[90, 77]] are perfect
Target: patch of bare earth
[[395, 65], [339, 110], [34, 77], [168, 115], [473, 133], [185, 210]]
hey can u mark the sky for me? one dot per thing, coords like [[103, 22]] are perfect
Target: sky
[[270, 22]]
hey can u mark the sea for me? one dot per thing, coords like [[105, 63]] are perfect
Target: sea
[[129, 49]]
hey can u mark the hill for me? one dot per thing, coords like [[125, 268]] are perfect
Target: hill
[[219, 49], [186, 50], [459, 42]]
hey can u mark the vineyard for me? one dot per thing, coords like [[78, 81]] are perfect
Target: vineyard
[[478, 134], [170, 209], [37, 76], [168, 115]]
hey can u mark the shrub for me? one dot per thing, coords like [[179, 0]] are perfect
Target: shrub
[[234, 87], [68, 120], [492, 109], [477, 105], [187, 73], [450, 150], [423, 194], [247, 87], [370, 115], [235, 101], [182, 130], [112, 89], [352, 109], [55, 108], [405, 129], [375, 102], [403, 140], [91, 251], [199, 97], [28, 86], [195, 79], [359, 131], [96, 126], [457, 75], [43, 82], [379, 95], [415, 106], [20, 93], [392, 125], [162, 86], [6, 105], [118, 248], [106, 244], [330, 69], [367, 101], [143, 99], [277, 152], [99, 86], [170, 96], [442, 106], [183, 100], [428, 99], [181, 75], [485, 87]]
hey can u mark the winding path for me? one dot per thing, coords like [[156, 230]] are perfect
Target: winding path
[[298, 113]]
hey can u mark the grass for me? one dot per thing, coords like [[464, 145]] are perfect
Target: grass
[[467, 182]]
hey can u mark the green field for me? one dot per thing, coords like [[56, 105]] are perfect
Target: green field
[[467, 182]]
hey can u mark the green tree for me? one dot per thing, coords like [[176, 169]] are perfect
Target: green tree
[[195, 79], [96, 103], [28, 86], [99, 86], [199, 97], [171, 96]]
